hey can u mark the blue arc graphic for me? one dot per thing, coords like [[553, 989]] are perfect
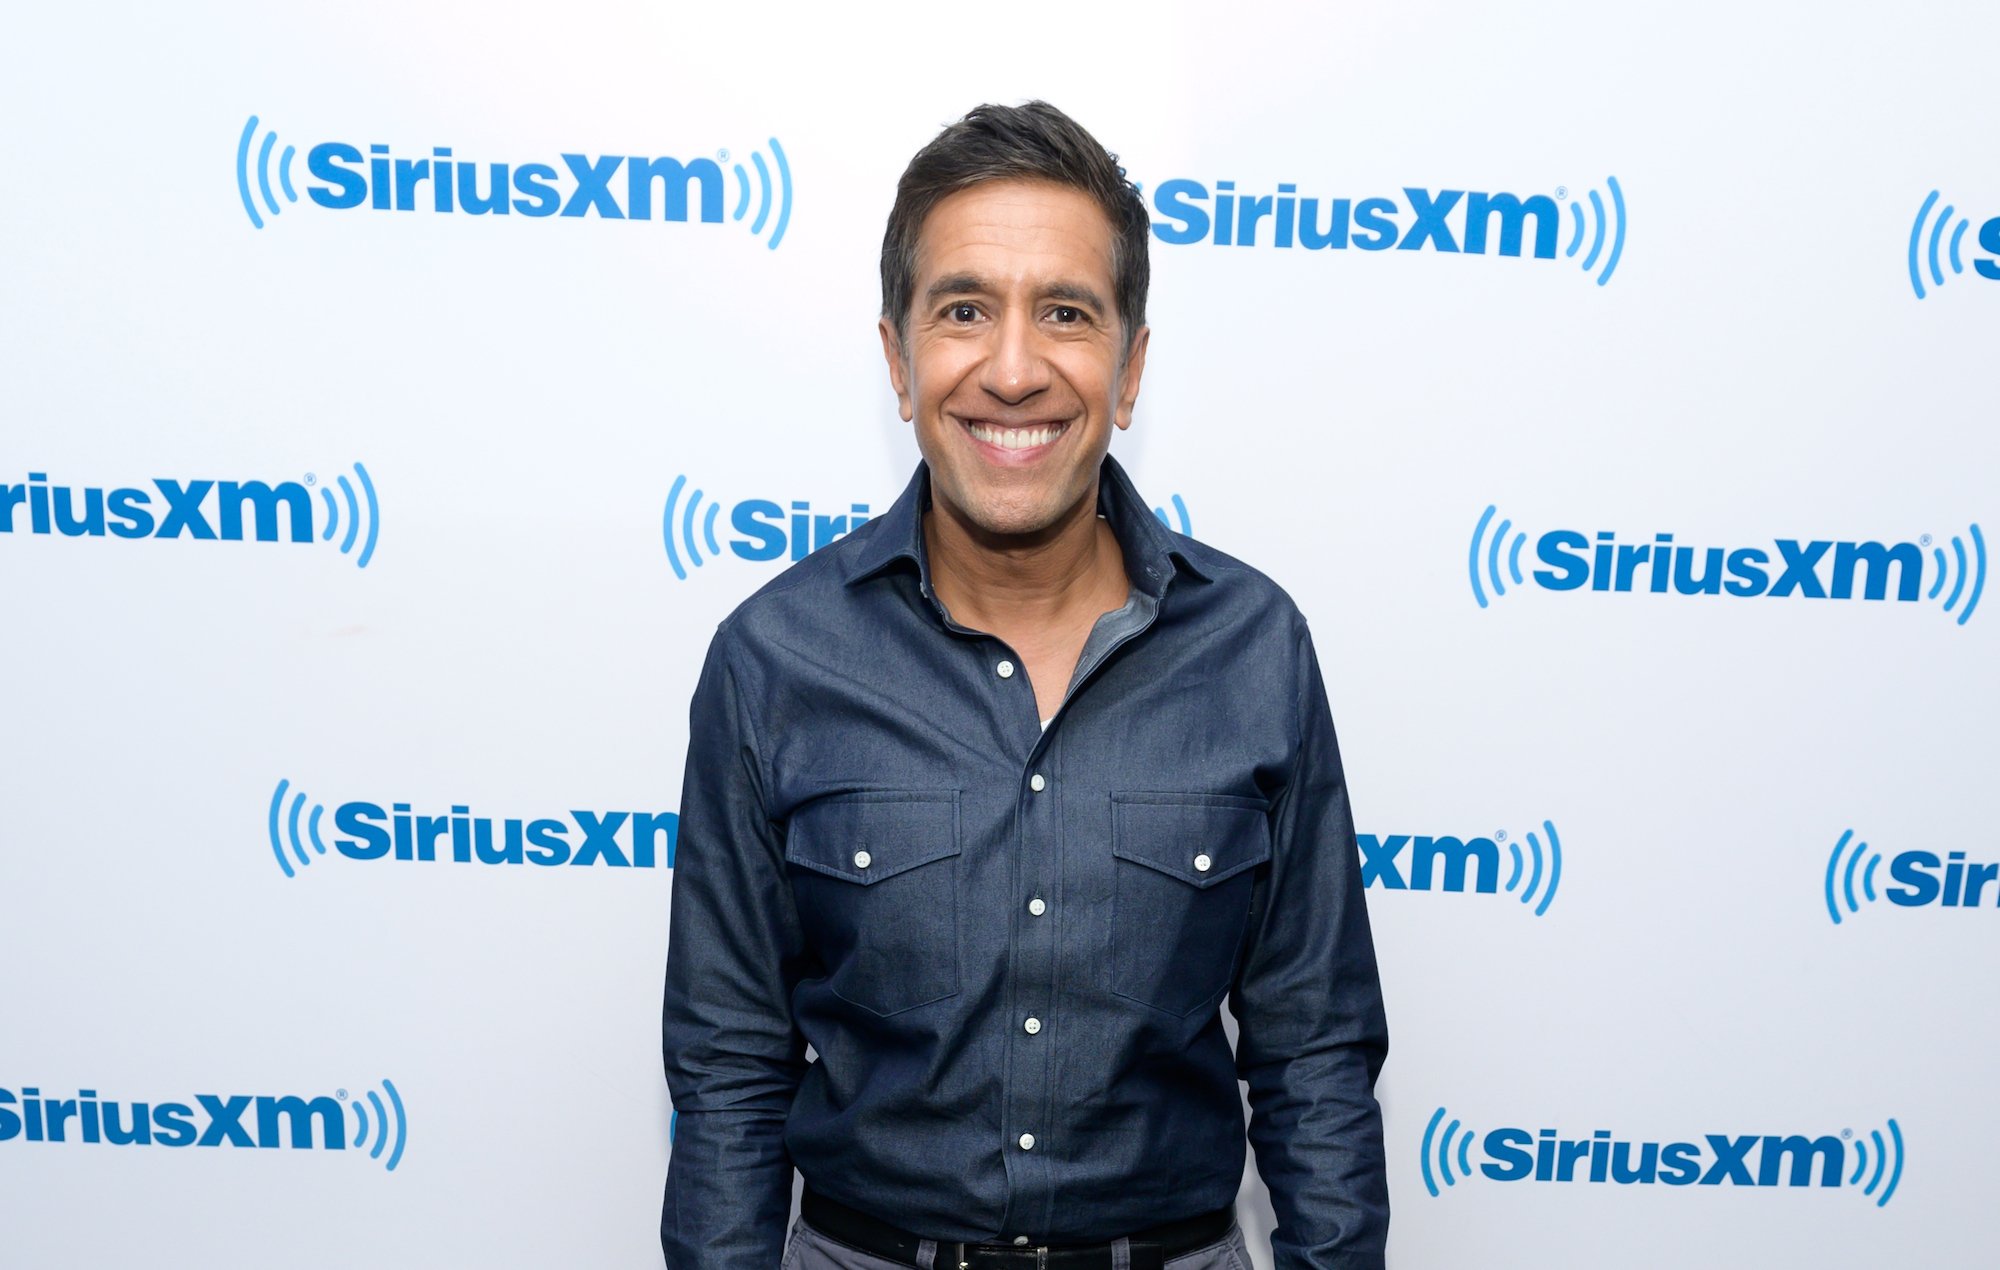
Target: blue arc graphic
[[1424, 1151], [277, 844], [376, 1133]]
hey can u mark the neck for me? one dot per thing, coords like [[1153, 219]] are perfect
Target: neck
[[995, 582]]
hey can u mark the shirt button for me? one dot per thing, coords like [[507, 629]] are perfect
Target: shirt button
[[1005, 670], [1020, 1239], [1027, 1142], [1036, 783], [1036, 906], [1032, 1026], [862, 860], [1201, 863]]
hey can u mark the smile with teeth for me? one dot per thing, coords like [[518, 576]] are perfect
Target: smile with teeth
[[1016, 438]]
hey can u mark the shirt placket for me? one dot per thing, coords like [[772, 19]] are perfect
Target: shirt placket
[[1034, 1021]]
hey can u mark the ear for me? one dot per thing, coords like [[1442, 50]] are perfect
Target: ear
[[1128, 380], [899, 378]]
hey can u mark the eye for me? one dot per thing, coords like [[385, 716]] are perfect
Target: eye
[[1066, 315], [962, 312]]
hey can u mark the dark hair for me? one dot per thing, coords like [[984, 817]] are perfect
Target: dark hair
[[1033, 141]]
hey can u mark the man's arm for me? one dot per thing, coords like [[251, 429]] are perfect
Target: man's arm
[[733, 1058], [1311, 1031]]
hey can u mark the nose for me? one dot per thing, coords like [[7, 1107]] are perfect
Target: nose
[[1015, 368]]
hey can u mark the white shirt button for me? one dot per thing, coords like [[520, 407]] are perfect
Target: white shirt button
[[1036, 783], [1201, 863], [1032, 1026], [1036, 906], [862, 859], [1005, 670], [1027, 1142], [1020, 1239]]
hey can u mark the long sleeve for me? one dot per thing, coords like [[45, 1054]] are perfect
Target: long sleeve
[[733, 1057], [1311, 1029]]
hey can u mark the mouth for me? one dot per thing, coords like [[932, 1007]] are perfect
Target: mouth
[[1016, 440]]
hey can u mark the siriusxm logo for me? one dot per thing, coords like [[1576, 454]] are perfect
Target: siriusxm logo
[[1717, 1159], [1455, 222], [766, 529], [400, 833], [216, 511], [1449, 863], [608, 186], [1927, 237], [263, 1121], [1818, 569], [1917, 879]]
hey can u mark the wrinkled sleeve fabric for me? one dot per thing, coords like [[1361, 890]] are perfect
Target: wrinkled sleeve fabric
[[1311, 1032], [733, 1057]]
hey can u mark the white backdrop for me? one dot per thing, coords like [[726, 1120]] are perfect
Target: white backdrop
[[517, 395]]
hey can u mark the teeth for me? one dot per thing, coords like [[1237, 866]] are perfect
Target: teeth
[[1017, 438]]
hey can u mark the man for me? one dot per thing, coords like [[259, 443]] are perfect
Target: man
[[991, 803]]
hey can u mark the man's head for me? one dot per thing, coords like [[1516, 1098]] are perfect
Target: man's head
[[1014, 273]]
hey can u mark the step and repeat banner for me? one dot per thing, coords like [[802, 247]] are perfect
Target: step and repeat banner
[[397, 395]]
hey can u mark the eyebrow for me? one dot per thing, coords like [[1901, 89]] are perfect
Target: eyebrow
[[973, 284]]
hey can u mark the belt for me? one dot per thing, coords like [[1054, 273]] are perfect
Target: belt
[[1151, 1247]]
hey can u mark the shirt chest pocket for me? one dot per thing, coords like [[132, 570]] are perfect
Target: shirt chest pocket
[[1184, 866], [875, 875]]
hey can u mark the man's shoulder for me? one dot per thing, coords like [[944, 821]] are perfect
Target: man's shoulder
[[1240, 588], [814, 589]]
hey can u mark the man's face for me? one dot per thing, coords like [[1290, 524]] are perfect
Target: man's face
[[1016, 365]]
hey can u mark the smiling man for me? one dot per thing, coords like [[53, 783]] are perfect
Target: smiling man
[[995, 800]]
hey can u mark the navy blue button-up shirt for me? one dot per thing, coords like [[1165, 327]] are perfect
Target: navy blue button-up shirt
[[1007, 946]]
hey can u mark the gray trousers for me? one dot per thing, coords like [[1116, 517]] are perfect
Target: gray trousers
[[808, 1249]]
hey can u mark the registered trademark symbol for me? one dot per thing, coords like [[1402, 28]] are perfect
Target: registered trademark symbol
[[1501, 836], [1847, 1133], [342, 1093], [1925, 540], [723, 154], [1562, 191], [310, 478]]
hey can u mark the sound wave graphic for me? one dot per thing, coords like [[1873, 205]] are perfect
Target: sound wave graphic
[[1886, 1158], [1960, 570], [356, 519], [765, 188], [1439, 1146], [1488, 554], [1180, 510], [1918, 238], [1536, 856], [689, 542], [283, 827], [379, 1127], [263, 172], [1602, 224], [1842, 867]]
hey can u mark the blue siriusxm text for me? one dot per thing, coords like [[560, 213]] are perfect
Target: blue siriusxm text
[[323, 1122], [206, 510], [573, 185], [1870, 1162], [1916, 878], [1448, 862], [1786, 568], [400, 831], [1930, 250], [1417, 218]]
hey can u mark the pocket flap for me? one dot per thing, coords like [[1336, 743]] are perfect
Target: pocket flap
[[1179, 834], [870, 835]]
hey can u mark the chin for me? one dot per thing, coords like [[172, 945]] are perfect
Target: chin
[[1012, 515]]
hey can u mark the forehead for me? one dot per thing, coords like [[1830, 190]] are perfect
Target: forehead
[[1017, 232]]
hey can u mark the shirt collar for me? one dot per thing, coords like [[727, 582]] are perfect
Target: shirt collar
[[1152, 555]]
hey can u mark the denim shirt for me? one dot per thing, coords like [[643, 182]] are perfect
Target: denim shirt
[[1008, 946]]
